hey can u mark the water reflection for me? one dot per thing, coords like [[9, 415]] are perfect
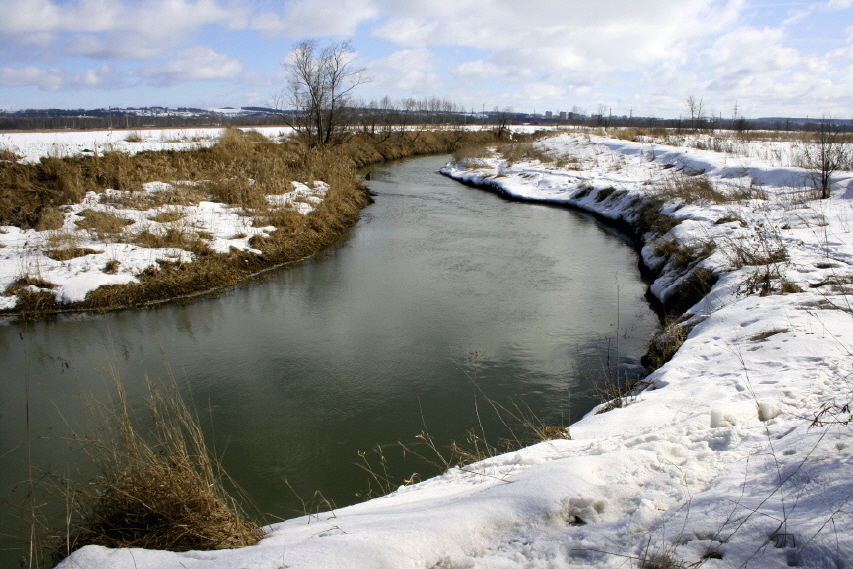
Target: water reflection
[[298, 370]]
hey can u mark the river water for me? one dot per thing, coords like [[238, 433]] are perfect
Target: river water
[[442, 303]]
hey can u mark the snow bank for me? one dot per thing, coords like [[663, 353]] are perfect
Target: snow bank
[[737, 454]]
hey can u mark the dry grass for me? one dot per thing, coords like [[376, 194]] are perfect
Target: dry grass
[[665, 343], [689, 189], [105, 224], [530, 152], [472, 152], [179, 194], [69, 253], [172, 237], [34, 295], [240, 170], [8, 155], [49, 218], [613, 393], [683, 256], [167, 216], [650, 220], [522, 427], [159, 486], [768, 333], [112, 266]]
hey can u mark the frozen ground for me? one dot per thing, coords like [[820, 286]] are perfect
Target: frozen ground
[[737, 454]]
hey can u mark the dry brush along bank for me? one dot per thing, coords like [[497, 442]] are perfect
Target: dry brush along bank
[[111, 229], [683, 247]]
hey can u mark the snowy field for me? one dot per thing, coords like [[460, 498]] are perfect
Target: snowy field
[[33, 145], [737, 454]]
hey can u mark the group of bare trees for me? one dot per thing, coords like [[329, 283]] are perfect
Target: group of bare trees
[[387, 116]]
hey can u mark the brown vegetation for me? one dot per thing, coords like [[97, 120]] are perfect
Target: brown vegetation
[[159, 486], [240, 170]]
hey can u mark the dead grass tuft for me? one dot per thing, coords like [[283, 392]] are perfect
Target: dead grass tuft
[[689, 189], [105, 224], [8, 155], [472, 152], [766, 334], [49, 218], [650, 220], [665, 343], [167, 216], [530, 152], [683, 256], [159, 486], [69, 253], [172, 237]]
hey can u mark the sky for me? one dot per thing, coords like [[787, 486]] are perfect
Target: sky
[[638, 57]]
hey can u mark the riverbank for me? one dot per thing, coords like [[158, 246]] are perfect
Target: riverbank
[[737, 453], [137, 221]]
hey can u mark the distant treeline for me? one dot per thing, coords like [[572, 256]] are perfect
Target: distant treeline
[[373, 117]]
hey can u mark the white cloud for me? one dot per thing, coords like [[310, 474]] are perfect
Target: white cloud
[[414, 71], [119, 46], [477, 69], [306, 18], [104, 77], [55, 79], [840, 4], [105, 29], [752, 50], [614, 35], [192, 64], [31, 76]]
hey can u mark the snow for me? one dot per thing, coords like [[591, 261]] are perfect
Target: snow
[[31, 146], [736, 454], [24, 254]]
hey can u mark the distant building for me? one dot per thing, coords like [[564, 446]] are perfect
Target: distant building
[[549, 114], [563, 115]]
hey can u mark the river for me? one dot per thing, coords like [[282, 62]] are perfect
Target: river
[[442, 302]]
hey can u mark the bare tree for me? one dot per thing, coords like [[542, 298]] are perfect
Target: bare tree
[[503, 118], [696, 110], [828, 152], [319, 85]]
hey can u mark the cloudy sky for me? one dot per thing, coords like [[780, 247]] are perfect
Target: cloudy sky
[[643, 57]]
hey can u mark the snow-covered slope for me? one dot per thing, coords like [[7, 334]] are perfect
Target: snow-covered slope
[[737, 454]]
